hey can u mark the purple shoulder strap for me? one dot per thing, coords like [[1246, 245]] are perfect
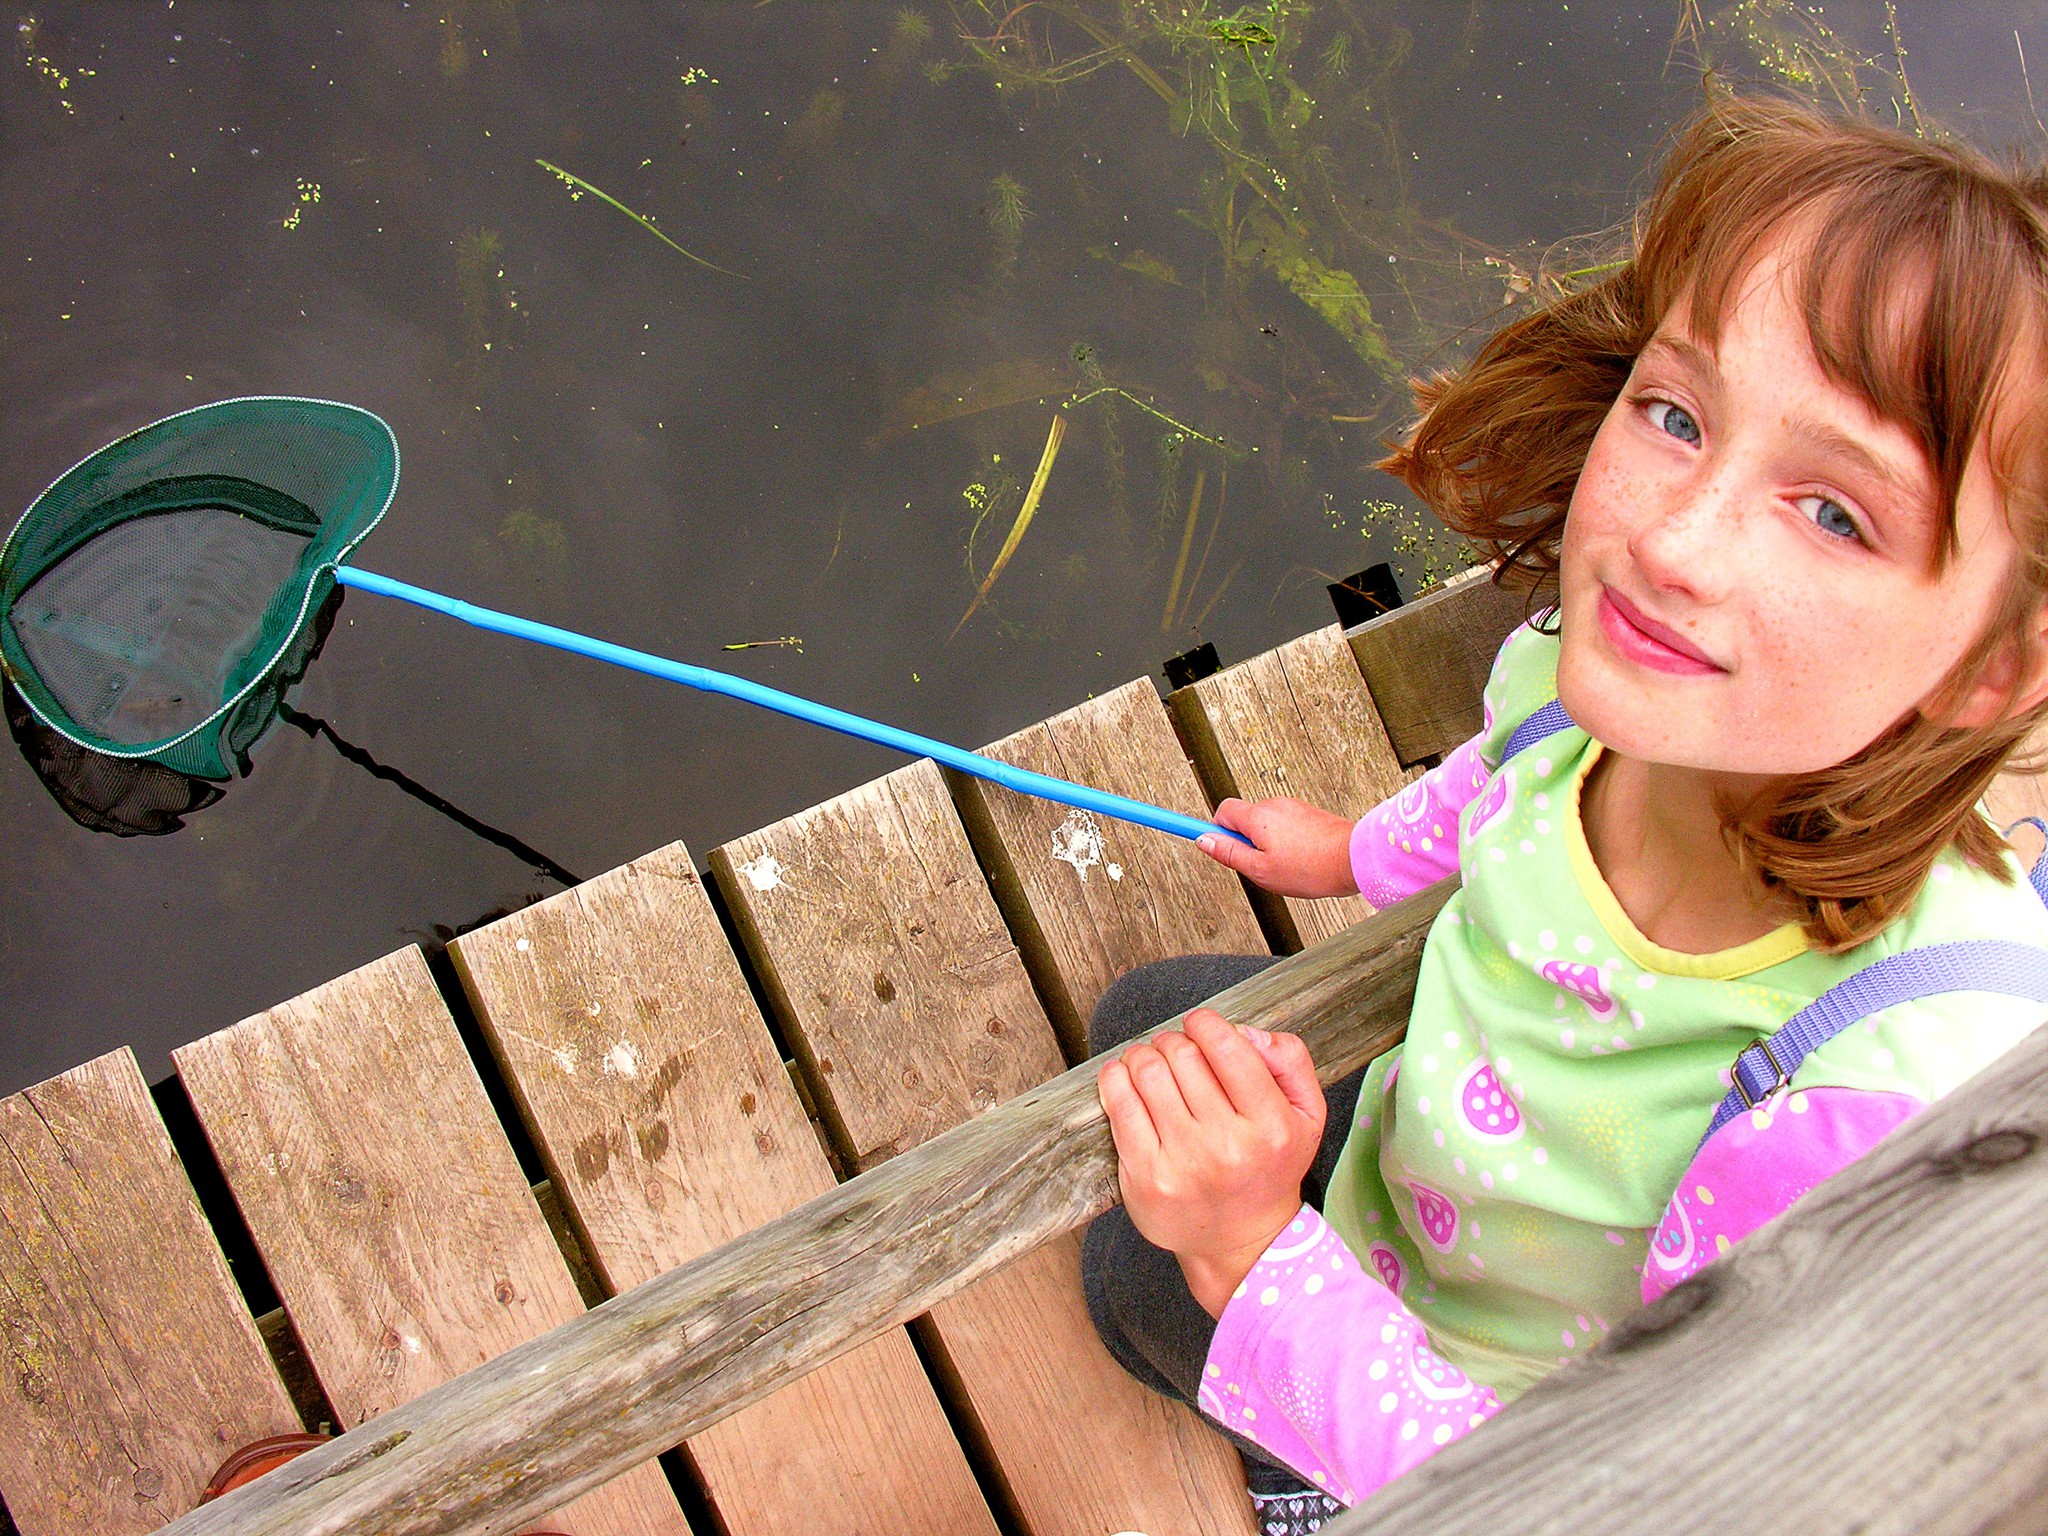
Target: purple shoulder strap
[[1967, 965], [1547, 721]]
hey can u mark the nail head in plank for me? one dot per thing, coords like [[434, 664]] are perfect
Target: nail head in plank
[[387, 1204], [1090, 898], [669, 1125], [1295, 721], [132, 1367], [884, 953], [1426, 665]]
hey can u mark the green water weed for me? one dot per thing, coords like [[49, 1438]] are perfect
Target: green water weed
[[578, 186]]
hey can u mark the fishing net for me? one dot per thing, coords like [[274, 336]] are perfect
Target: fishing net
[[154, 597]]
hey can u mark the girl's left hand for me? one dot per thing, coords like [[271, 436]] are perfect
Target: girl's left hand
[[1215, 1125]]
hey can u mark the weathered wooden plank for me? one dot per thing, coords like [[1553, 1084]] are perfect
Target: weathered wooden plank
[[668, 1359], [132, 1368], [1089, 898], [389, 1208], [909, 998], [655, 1093], [913, 1010], [1870, 1362], [1295, 721], [1426, 664]]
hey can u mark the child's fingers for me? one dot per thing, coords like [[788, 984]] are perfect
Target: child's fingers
[[1248, 859], [1199, 1090], [1130, 1123], [1229, 852], [1154, 1081], [1295, 1072], [1240, 1068]]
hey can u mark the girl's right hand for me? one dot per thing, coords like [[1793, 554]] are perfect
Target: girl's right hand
[[1215, 1124], [1301, 849]]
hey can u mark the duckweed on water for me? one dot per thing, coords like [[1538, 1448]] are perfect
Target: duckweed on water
[[29, 33], [309, 193]]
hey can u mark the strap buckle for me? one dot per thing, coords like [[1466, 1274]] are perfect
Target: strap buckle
[[1784, 1078]]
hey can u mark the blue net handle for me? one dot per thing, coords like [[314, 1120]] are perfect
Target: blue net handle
[[1022, 780]]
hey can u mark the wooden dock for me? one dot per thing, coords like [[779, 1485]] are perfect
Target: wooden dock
[[923, 950], [927, 947]]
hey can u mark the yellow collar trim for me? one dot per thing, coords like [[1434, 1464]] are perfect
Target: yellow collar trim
[[1773, 948]]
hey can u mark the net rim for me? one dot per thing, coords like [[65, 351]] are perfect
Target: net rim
[[158, 748]]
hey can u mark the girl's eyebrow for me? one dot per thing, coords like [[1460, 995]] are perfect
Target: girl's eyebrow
[[1687, 354], [1832, 440]]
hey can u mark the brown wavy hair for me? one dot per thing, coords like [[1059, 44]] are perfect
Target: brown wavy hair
[[1882, 217]]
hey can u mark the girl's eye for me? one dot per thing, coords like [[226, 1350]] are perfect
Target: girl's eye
[[1666, 417], [1830, 516]]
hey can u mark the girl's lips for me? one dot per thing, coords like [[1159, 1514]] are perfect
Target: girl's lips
[[1643, 640]]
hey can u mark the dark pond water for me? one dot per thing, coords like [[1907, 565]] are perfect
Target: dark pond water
[[883, 247]]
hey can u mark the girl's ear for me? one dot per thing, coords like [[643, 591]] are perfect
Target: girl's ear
[[1993, 696]]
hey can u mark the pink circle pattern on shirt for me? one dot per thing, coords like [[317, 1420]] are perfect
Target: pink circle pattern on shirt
[[1404, 1399]]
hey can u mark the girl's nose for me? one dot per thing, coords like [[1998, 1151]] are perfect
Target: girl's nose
[[1686, 536]]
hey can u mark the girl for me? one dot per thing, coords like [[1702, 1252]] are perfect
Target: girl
[[1780, 482]]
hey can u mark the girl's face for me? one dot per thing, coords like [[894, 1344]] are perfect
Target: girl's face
[[1748, 581]]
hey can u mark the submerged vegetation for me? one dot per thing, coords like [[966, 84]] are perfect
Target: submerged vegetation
[[1260, 336], [1025, 511], [578, 186], [1309, 277], [1305, 281]]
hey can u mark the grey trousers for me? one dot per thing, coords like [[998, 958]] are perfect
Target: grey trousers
[[1140, 1303]]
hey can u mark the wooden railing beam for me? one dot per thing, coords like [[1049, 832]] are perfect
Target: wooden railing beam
[[500, 1446]]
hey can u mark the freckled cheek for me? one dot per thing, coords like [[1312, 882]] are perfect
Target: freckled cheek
[[1602, 517]]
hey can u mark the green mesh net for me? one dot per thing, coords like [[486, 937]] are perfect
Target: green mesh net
[[148, 596]]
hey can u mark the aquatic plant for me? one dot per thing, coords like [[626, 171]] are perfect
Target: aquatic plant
[[1425, 553], [1025, 512], [909, 31], [952, 394], [309, 193], [1793, 46], [1305, 202], [28, 32], [578, 186], [1006, 212], [480, 289], [812, 130]]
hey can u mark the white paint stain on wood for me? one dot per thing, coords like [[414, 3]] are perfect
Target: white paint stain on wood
[[764, 873], [622, 1060], [1078, 841]]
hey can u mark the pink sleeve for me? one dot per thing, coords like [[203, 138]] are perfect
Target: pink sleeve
[[1411, 840], [1758, 1164], [1350, 1417]]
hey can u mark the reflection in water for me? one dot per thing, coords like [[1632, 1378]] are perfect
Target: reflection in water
[[125, 796], [317, 728], [131, 797]]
